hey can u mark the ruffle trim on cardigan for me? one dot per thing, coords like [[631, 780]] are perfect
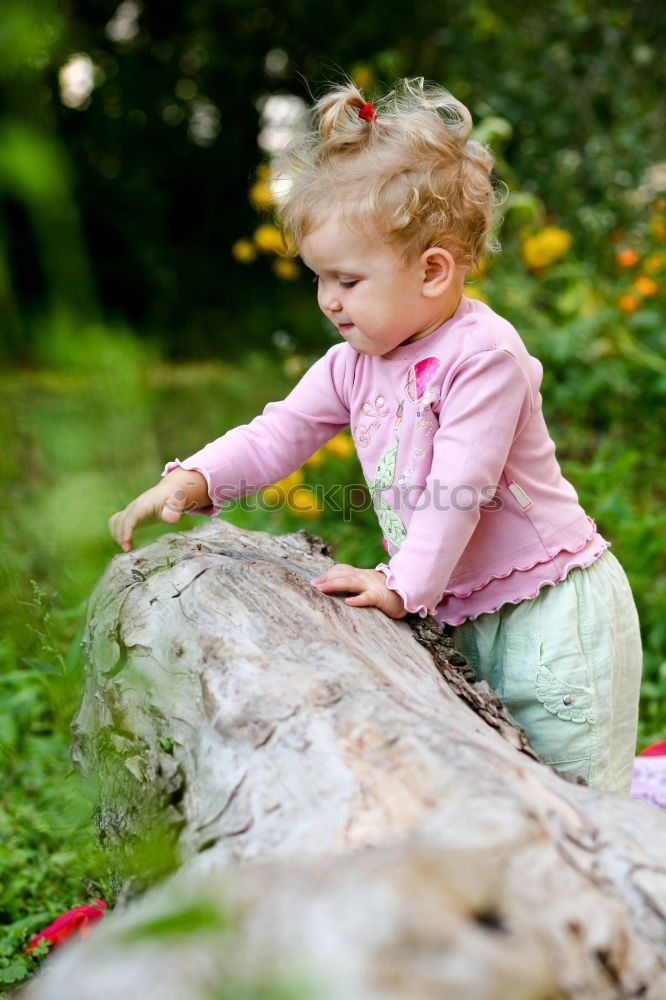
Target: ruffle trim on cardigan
[[423, 611], [550, 555], [391, 584], [575, 564]]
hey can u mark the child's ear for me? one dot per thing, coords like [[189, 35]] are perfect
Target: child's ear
[[439, 270]]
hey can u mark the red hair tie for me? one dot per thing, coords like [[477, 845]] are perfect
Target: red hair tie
[[367, 112]]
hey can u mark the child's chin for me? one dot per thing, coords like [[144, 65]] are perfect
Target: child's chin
[[359, 343]]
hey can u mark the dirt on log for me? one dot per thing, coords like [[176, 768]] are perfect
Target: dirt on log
[[350, 815]]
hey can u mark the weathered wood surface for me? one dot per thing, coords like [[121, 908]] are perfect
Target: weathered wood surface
[[278, 731]]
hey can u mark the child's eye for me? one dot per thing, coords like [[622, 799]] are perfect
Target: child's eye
[[349, 284]]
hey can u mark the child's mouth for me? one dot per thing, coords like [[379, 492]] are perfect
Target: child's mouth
[[343, 327]]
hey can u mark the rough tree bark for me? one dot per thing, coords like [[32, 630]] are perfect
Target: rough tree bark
[[274, 734]]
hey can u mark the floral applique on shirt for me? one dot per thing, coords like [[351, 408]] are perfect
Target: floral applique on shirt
[[375, 410], [426, 427], [418, 377], [389, 521], [418, 393], [404, 476]]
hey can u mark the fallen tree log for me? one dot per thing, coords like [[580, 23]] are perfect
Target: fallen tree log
[[267, 733]]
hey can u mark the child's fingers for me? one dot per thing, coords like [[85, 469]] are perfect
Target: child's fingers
[[329, 584], [170, 514], [160, 503], [367, 586], [366, 599], [174, 506], [333, 573], [120, 530], [338, 579], [391, 607], [123, 524]]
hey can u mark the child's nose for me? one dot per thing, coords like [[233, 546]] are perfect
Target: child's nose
[[328, 300]]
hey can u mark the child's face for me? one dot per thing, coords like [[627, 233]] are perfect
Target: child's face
[[373, 298]]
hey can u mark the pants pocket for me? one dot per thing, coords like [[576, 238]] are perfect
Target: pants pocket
[[569, 702], [549, 693]]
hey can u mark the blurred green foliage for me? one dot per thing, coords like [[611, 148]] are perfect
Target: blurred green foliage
[[126, 241], [160, 151]]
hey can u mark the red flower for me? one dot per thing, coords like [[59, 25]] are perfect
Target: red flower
[[654, 750], [75, 923], [367, 112]]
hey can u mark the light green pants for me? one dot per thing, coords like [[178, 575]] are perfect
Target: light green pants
[[567, 664]]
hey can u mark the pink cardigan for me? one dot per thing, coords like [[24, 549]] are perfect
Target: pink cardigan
[[450, 434]]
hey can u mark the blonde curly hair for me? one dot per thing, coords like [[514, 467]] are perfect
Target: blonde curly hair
[[411, 173]]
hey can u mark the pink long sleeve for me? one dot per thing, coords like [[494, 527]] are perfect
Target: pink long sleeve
[[277, 442], [450, 434], [487, 404]]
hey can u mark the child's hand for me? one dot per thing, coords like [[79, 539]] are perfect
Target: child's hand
[[369, 586], [179, 491]]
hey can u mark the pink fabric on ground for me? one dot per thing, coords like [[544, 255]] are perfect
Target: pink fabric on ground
[[649, 780]]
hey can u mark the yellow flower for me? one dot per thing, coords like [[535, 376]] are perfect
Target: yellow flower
[[269, 239], [646, 286], [276, 495], [655, 262], [362, 76], [341, 445], [261, 195], [317, 460], [286, 268], [545, 247], [293, 366], [658, 227], [304, 501], [244, 251], [472, 292]]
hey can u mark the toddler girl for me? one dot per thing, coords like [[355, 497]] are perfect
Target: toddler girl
[[390, 207]]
